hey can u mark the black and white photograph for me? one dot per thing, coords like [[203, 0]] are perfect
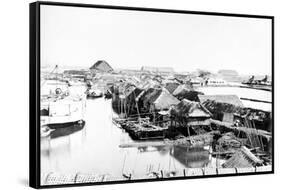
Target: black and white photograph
[[140, 94]]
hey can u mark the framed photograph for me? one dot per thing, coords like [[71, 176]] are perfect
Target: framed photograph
[[127, 94]]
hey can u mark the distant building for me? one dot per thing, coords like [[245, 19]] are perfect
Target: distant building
[[101, 66], [229, 75], [228, 72], [196, 81], [215, 82], [79, 75], [259, 80], [76, 72], [157, 69]]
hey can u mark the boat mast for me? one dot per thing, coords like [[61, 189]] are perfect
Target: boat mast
[[54, 70]]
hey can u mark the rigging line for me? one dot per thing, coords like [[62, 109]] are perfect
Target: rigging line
[[248, 135], [254, 126], [135, 162], [49, 73], [137, 106], [174, 164], [169, 163], [259, 137], [124, 163]]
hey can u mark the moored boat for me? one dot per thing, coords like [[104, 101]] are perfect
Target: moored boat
[[94, 93], [59, 108], [60, 112], [145, 130], [45, 131]]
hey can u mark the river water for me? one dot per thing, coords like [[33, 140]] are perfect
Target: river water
[[95, 147]]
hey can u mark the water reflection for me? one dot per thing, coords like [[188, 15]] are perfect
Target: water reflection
[[60, 132], [94, 148], [196, 157]]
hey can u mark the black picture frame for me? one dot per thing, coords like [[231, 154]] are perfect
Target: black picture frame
[[34, 90]]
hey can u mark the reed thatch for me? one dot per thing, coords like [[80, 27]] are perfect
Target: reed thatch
[[228, 99], [242, 158], [159, 98], [182, 89], [190, 109], [171, 86]]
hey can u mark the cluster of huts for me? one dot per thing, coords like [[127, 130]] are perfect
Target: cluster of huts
[[181, 103], [159, 103], [170, 98], [180, 109]]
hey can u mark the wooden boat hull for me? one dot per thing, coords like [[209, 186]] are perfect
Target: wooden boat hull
[[62, 113]]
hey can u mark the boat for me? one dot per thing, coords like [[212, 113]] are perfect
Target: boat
[[45, 131], [94, 93], [59, 108], [62, 111], [107, 94], [144, 130], [76, 82], [258, 82]]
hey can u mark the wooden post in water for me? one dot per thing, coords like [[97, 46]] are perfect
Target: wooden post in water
[[188, 131]]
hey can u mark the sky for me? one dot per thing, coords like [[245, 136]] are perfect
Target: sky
[[78, 37]]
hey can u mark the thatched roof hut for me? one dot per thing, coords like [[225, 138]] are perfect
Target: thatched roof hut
[[186, 92], [242, 158], [189, 114], [158, 99], [123, 89], [171, 86], [190, 109], [182, 88], [221, 103], [229, 99], [165, 100]]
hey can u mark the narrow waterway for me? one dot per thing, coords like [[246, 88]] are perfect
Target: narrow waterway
[[95, 149]]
